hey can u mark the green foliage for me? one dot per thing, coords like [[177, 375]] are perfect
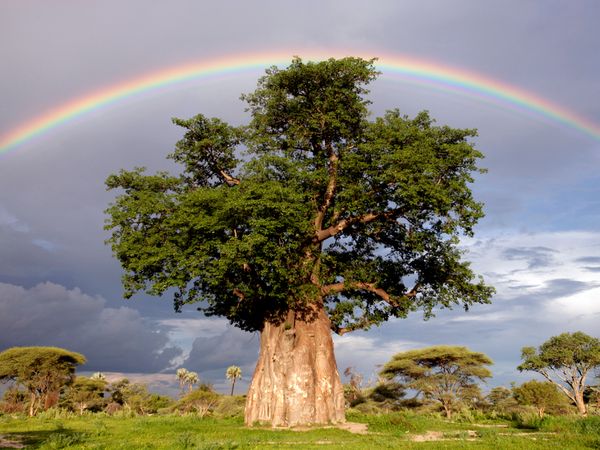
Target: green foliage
[[565, 360], [566, 350], [85, 394], [545, 396], [326, 207], [446, 374], [201, 401], [43, 371], [134, 398], [501, 399]]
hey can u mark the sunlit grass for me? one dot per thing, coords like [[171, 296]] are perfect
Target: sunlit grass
[[394, 430]]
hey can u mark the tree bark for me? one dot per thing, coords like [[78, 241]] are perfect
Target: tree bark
[[580, 403], [32, 400], [296, 381]]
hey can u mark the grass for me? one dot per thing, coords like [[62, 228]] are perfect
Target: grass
[[394, 430]]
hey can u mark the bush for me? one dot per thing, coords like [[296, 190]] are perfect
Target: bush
[[201, 401], [529, 420], [230, 406]]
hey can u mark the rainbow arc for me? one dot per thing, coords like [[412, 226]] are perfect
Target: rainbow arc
[[405, 68]]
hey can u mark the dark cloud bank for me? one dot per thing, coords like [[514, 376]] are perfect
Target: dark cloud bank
[[115, 339]]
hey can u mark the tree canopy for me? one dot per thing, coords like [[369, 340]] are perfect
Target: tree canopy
[[541, 395], [309, 203], [565, 360], [41, 370], [443, 373]]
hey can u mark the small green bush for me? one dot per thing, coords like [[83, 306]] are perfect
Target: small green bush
[[528, 420], [63, 439], [230, 406]]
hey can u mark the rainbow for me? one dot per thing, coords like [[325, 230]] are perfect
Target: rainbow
[[406, 68]]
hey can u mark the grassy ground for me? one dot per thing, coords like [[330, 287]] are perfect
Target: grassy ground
[[398, 430]]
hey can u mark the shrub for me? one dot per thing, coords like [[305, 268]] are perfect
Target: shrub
[[230, 406], [201, 401]]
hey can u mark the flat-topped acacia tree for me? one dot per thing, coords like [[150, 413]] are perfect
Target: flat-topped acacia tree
[[310, 219]]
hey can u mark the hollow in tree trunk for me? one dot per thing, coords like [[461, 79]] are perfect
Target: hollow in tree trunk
[[296, 381]]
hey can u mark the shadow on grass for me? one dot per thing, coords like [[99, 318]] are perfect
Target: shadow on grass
[[50, 439]]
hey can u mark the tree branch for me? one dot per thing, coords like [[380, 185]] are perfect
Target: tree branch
[[231, 181], [239, 294], [322, 235], [370, 287], [331, 186]]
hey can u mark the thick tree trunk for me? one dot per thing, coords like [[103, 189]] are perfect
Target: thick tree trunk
[[296, 381]]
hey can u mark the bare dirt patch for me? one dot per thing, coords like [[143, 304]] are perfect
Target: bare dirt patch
[[352, 427], [10, 443], [470, 435]]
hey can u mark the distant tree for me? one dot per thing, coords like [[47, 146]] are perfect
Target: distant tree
[[500, 398], [134, 397], [353, 389], [191, 379], [86, 394], [13, 400], [181, 375], [233, 373], [441, 373], [565, 360], [330, 222], [186, 379], [43, 371], [541, 395], [388, 394], [201, 400]]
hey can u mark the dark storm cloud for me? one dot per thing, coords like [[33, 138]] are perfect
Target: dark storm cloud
[[112, 339], [233, 347]]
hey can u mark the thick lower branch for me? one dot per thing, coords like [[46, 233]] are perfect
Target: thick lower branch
[[340, 226], [370, 287]]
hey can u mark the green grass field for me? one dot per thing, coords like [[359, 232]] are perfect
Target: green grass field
[[397, 430]]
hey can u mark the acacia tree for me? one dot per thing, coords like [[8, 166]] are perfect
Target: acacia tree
[[442, 373], [565, 360], [43, 371], [330, 222]]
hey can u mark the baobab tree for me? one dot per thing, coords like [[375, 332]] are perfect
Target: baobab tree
[[233, 373], [331, 222]]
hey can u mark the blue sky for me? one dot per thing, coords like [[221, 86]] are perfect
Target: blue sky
[[539, 243]]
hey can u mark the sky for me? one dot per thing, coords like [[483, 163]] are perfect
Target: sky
[[539, 244]]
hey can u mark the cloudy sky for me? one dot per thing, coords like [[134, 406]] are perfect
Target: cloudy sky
[[539, 244]]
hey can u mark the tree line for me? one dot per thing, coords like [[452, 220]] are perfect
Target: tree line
[[41, 378], [441, 377]]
